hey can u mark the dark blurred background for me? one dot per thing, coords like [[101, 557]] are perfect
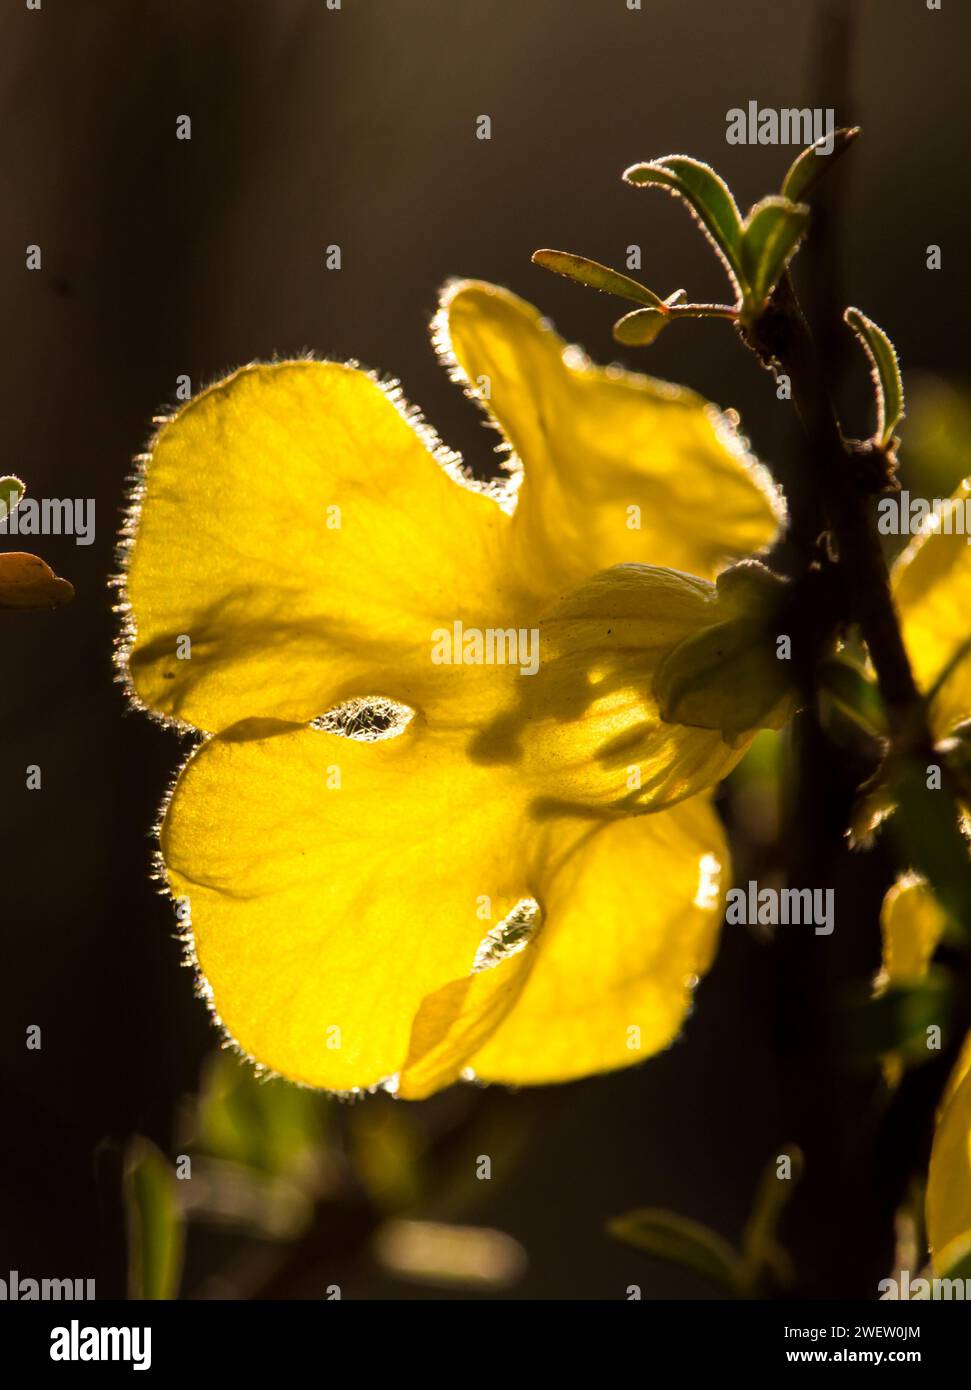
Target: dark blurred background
[[162, 257]]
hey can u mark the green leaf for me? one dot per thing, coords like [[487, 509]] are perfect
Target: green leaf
[[897, 1020], [848, 688], [708, 197], [11, 491], [271, 1125], [886, 374], [683, 1242], [760, 1246], [595, 275], [640, 327], [810, 166], [930, 839], [156, 1226], [770, 236]]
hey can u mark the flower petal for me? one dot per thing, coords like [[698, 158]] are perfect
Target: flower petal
[[454, 1022], [631, 915], [932, 588], [912, 924], [585, 734], [334, 884], [299, 526], [617, 466], [343, 898], [948, 1209]]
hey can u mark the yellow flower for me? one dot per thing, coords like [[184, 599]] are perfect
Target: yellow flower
[[913, 925], [932, 590], [440, 878]]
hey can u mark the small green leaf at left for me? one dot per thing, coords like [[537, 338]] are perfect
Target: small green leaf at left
[[640, 327]]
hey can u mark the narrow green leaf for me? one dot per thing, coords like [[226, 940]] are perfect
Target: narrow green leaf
[[640, 327], [885, 371], [683, 1242], [597, 276], [760, 1245], [708, 197], [11, 491], [156, 1226], [848, 688], [770, 236], [811, 165]]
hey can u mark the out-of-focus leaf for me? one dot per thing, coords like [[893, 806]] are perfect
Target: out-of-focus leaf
[[156, 1226], [770, 236], [247, 1199], [26, 582], [887, 381], [682, 1241], [810, 166], [930, 838], [848, 688], [433, 1252], [897, 1020], [957, 757], [271, 1125], [708, 197], [596, 276], [387, 1146], [938, 430], [755, 789], [760, 1245]]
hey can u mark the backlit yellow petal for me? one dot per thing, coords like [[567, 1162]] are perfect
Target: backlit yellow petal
[[912, 924], [585, 732], [932, 588], [354, 911], [948, 1209], [295, 544], [454, 1022], [631, 915], [618, 466], [335, 884]]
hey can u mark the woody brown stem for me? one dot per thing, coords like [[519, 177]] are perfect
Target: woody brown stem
[[837, 500]]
